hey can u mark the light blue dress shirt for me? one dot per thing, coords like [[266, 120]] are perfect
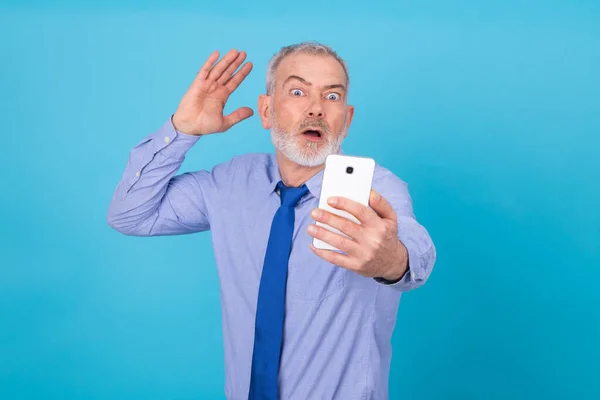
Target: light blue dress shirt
[[338, 324]]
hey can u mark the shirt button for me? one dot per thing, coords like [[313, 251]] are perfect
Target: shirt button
[[167, 139], [137, 173]]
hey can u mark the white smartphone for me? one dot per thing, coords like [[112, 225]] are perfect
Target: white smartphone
[[344, 176]]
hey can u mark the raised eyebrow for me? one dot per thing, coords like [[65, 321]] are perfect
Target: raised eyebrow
[[327, 87], [336, 86], [291, 77]]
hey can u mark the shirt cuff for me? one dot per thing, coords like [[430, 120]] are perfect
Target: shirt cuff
[[384, 281], [171, 143], [412, 274]]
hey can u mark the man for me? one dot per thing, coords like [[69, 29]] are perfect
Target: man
[[298, 322]]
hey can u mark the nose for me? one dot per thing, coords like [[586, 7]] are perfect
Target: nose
[[315, 110]]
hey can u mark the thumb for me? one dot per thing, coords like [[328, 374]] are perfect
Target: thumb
[[238, 115], [381, 206]]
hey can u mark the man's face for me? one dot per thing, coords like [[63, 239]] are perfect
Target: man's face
[[308, 112]]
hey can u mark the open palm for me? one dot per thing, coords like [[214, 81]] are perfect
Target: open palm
[[200, 111]]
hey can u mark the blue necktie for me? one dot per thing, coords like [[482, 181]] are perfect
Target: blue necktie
[[270, 308]]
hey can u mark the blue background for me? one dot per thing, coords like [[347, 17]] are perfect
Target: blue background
[[489, 110]]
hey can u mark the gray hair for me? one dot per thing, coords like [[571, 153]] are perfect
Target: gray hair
[[311, 47]]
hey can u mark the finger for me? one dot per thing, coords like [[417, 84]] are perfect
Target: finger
[[342, 224], [239, 76], [222, 65], [205, 69], [238, 115], [361, 212], [232, 67], [345, 244], [341, 260], [381, 206]]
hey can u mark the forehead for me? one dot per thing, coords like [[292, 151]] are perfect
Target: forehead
[[319, 69]]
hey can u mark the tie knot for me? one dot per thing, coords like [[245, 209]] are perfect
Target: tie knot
[[291, 195]]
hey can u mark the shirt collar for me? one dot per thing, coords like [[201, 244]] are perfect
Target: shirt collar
[[313, 184]]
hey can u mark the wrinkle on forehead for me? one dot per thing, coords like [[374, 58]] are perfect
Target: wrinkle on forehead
[[312, 68]]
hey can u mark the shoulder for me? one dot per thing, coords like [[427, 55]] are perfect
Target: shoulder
[[392, 188], [384, 180], [243, 162], [252, 160], [251, 166], [239, 170]]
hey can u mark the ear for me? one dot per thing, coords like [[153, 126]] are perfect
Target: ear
[[264, 110], [350, 111]]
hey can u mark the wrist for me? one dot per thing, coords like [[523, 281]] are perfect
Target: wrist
[[181, 126], [400, 266]]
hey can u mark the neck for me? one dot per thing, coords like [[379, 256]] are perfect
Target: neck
[[292, 174]]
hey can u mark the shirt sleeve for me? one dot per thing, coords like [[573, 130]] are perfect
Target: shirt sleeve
[[416, 239], [150, 200]]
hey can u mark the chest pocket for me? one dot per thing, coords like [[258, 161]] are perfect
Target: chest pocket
[[310, 277]]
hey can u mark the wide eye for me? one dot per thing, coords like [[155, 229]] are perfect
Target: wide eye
[[333, 96], [297, 92]]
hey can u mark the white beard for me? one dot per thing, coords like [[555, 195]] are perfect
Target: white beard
[[309, 155]]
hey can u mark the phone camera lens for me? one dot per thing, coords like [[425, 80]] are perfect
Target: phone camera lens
[[349, 170]]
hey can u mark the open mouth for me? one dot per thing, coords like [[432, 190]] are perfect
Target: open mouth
[[312, 134]]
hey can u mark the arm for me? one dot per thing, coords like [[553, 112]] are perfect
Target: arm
[[387, 244], [150, 200], [413, 236]]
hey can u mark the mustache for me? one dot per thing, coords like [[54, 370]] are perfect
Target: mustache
[[314, 123]]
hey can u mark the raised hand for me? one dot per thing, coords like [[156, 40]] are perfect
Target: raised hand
[[200, 111]]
